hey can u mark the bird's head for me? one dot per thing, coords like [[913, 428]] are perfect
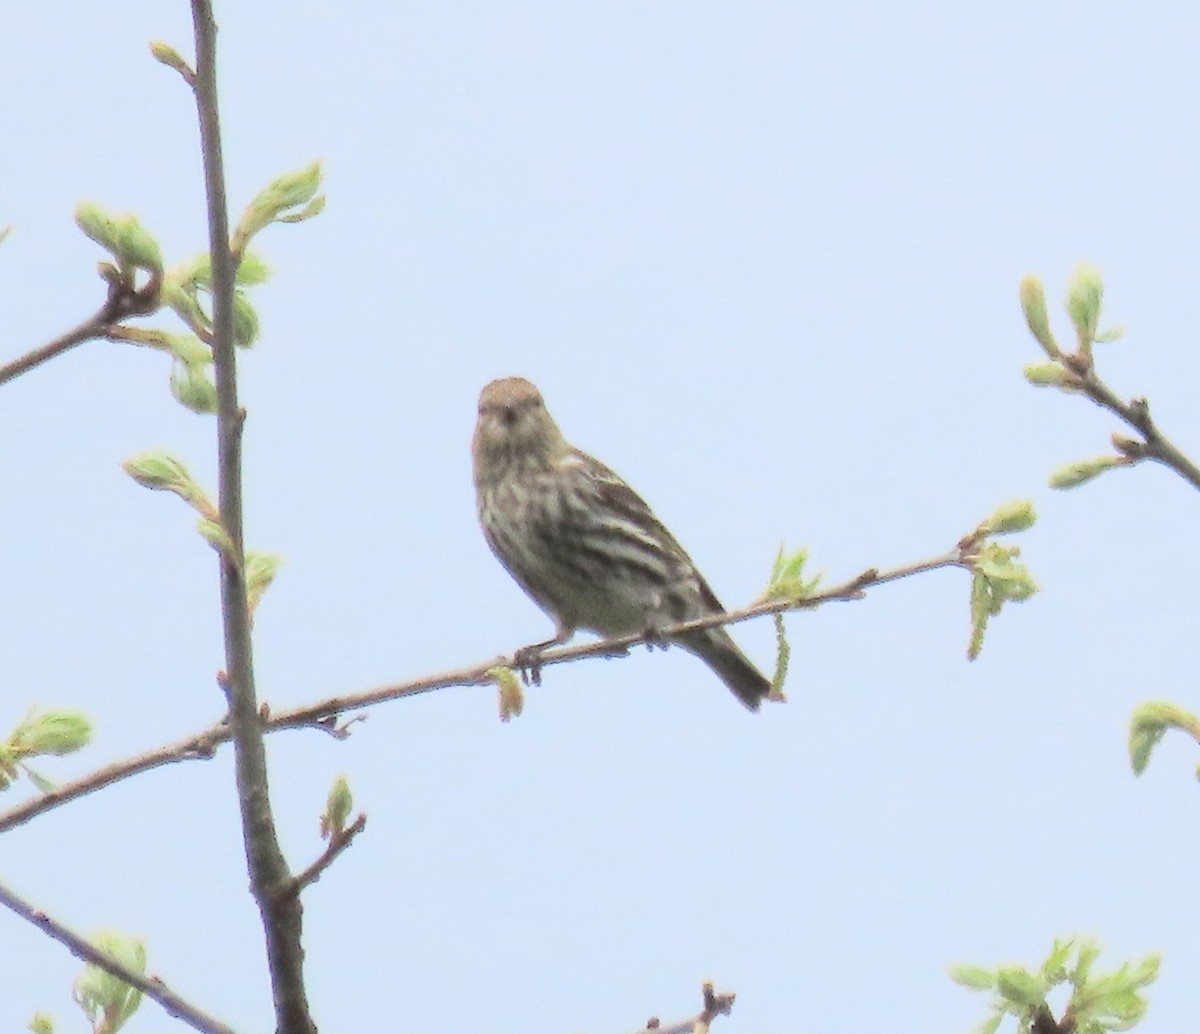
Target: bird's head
[[514, 431]]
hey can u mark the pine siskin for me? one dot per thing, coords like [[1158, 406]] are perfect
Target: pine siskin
[[582, 543]]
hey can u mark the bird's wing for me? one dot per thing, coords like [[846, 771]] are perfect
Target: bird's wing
[[637, 521]]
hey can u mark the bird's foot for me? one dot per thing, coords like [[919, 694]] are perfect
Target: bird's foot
[[528, 661], [654, 639]]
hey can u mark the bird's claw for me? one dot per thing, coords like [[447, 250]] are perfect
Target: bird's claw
[[528, 661], [654, 639]]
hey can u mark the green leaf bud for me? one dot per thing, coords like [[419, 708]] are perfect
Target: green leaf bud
[[96, 224], [54, 732], [136, 247], [216, 536], [104, 997], [511, 696], [191, 386], [1075, 474], [1050, 375], [261, 569], [337, 808], [1011, 517], [1017, 985], [245, 321], [1084, 297], [169, 56], [973, 977], [158, 470], [1033, 304]]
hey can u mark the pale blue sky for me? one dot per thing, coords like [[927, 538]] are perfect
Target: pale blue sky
[[761, 260]]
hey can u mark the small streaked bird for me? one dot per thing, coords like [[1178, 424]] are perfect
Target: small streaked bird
[[583, 544]]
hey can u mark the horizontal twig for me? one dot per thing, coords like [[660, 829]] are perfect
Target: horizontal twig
[[325, 714]]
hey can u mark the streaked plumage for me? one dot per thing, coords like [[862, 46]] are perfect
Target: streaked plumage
[[583, 545]]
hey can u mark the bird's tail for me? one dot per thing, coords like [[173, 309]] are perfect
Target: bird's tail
[[718, 650]]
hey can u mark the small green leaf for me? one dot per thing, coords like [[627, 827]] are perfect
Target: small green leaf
[[173, 295], [991, 1025], [42, 1023], [1112, 334], [1050, 375], [188, 348], [1085, 294], [261, 569], [103, 997], [245, 321], [51, 733], [974, 977], [1146, 971], [1011, 517], [1149, 725], [1054, 968], [1075, 474], [787, 580], [157, 470], [169, 56], [1017, 985], [136, 247], [511, 695], [1088, 952], [292, 190], [191, 386], [161, 471], [251, 271], [315, 207], [197, 272], [337, 808], [1033, 304], [97, 224], [216, 536]]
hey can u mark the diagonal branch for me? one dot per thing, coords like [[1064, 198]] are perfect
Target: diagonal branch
[[1154, 445], [324, 714], [122, 302], [269, 874], [338, 842], [83, 949]]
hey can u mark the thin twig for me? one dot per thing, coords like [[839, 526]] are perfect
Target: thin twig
[[151, 987], [1154, 444], [122, 302], [324, 714], [338, 842], [714, 1005], [269, 873], [200, 745]]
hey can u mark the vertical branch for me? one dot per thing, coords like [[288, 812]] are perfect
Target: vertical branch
[[270, 878]]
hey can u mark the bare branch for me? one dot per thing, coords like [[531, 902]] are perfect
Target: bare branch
[[199, 745], [122, 302], [1154, 445], [269, 873], [324, 715], [714, 1005], [83, 949], [338, 842]]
